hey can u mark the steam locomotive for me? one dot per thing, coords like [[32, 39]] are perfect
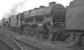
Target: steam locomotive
[[53, 22], [41, 22]]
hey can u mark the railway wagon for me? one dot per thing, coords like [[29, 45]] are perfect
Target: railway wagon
[[45, 19], [74, 22]]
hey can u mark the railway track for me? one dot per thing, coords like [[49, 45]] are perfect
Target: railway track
[[17, 44], [26, 46], [9, 42], [20, 44]]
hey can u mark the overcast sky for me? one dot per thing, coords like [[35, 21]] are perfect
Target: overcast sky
[[23, 5]]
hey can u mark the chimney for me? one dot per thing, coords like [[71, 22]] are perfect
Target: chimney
[[36, 8], [30, 11], [42, 6], [52, 3]]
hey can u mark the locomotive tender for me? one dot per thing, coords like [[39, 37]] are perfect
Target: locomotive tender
[[74, 22]]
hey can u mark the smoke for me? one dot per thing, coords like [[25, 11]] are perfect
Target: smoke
[[15, 7], [18, 6]]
